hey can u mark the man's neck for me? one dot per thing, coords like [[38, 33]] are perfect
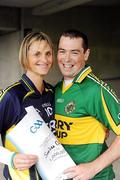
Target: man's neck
[[67, 81]]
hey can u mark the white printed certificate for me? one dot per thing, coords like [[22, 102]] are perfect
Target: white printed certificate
[[32, 136]]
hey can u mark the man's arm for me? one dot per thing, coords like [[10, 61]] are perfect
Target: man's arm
[[87, 171]]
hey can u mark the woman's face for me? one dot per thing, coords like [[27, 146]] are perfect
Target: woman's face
[[40, 58]]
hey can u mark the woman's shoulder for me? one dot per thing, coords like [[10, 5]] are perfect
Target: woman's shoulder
[[13, 91]]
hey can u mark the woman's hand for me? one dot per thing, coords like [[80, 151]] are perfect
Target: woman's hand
[[24, 161]]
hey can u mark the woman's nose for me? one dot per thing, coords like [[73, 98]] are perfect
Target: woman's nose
[[44, 58]]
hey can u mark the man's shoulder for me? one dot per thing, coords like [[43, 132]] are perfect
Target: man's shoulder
[[93, 81], [91, 84], [99, 84]]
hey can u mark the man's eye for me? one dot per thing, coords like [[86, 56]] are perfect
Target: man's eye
[[74, 53]]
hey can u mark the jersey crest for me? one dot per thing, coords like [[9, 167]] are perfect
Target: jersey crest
[[70, 107]]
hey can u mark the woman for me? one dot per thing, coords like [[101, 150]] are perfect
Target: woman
[[36, 57]]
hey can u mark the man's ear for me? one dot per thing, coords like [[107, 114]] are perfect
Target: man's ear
[[87, 53]]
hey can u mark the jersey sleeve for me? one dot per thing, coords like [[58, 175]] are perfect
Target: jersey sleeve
[[7, 111], [111, 106], [108, 109], [5, 156]]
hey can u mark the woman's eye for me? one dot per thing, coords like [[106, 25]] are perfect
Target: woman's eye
[[48, 53], [37, 54]]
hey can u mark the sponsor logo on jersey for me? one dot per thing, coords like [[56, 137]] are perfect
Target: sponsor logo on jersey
[[46, 104], [60, 128], [60, 100]]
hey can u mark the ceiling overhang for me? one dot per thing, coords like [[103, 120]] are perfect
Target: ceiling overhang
[[49, 7]]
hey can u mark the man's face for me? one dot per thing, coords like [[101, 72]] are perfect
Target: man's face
[[71, 56]]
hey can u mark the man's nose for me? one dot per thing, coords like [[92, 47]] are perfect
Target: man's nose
[[67, 57]]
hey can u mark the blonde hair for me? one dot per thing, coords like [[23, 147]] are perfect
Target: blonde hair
[[26, 43]]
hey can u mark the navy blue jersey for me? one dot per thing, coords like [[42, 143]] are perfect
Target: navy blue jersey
[[13, 102]]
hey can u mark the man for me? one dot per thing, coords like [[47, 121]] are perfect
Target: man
[[85, 108]]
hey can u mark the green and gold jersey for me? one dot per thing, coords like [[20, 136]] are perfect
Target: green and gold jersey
[[84, 110]]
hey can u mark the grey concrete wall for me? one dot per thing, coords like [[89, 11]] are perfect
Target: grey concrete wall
[[9, 64]]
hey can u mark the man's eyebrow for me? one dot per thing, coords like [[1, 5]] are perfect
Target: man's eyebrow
[[72, 50], [75, 50]]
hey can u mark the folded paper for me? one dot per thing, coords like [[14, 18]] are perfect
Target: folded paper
[[32, 136]]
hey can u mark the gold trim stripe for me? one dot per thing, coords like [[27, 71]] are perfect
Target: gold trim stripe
[[84, 75], [109, 117]]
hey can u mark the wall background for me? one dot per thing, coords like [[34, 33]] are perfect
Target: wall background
[[102, 26], [9, 65]]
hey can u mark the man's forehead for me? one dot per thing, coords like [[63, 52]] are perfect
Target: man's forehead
[[70, 43], [71, 38]]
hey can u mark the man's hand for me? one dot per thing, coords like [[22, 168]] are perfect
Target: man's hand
[[81, 172], [24, 161]]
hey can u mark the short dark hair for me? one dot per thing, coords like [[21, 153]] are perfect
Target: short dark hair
[[74, 33]]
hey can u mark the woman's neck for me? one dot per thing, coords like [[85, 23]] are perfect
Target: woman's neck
[[37, 81]]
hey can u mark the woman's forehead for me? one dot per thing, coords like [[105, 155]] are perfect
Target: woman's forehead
[[39, 45]]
